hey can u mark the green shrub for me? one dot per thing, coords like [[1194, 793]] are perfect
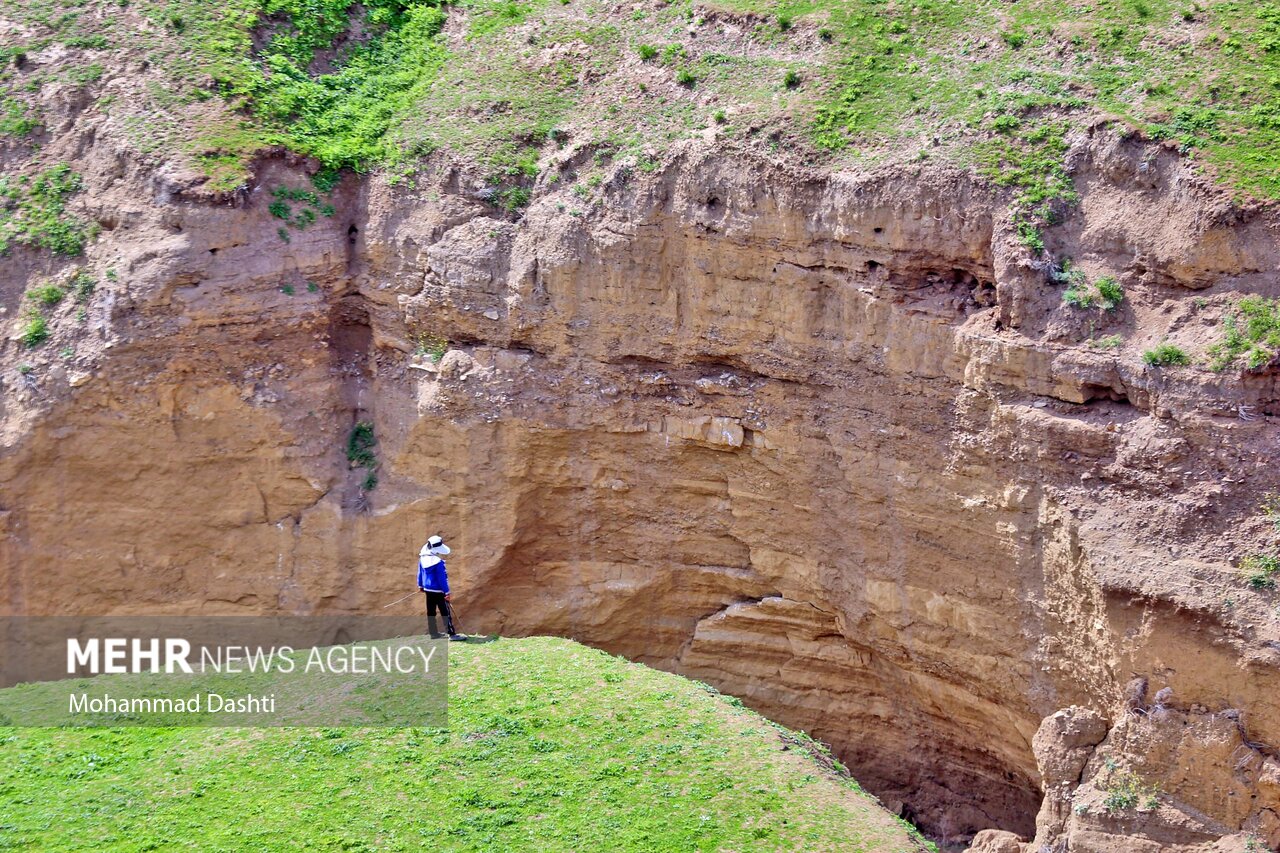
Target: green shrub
[[49, 294], [513, 199], [94, 42], [1070, 274], [360, 445], [685, 77], [791, 79], [326, 179], [720, 117], [1108, 342], [646, 52], [1126, 790], [1078, 297], [784, 23], [86, 74], [1029, 235], [1006, 124], [35, 330], [1188, 126], [1261, 570], [15, 118], [33, 212], [1119, 799], [1081, 293], [283, 193], [1251, 332], [279, 209], [1014, 38], [429, 345], [1166, 355], [343, 118], [1111, 291], [83, 285], [360, 453]]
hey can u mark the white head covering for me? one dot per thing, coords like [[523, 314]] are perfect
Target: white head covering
[[435, 546]]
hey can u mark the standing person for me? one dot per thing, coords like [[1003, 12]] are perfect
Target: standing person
[[433, 580]]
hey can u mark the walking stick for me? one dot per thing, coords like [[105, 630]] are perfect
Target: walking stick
[[457, 628], [398, 600]]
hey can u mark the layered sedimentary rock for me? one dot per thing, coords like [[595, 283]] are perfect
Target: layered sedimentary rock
[[831, 443]]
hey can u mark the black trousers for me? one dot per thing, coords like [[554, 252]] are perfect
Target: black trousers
[[435, 601]]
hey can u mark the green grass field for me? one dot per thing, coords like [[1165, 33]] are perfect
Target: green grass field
[[550, 746]]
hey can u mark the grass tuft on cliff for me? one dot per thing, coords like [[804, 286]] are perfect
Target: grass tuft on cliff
[[550, 746]]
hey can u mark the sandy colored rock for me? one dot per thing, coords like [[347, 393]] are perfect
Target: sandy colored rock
[[996, 841], [832, 444]]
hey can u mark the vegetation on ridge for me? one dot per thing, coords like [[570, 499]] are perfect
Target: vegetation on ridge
[[379, 84]]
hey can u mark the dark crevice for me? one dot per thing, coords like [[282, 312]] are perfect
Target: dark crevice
[[350, 349], [1104, 393], [353, 250], [946, 293]]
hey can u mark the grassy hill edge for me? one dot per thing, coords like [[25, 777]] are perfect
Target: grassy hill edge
[[550, 745]]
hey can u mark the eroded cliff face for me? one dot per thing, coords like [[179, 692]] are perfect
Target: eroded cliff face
[[831, 443]]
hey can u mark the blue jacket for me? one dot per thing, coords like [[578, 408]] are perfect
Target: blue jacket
[[432, 575]]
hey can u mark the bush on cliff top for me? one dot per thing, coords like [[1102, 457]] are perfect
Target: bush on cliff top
[[344, 117], [1002, 87]]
